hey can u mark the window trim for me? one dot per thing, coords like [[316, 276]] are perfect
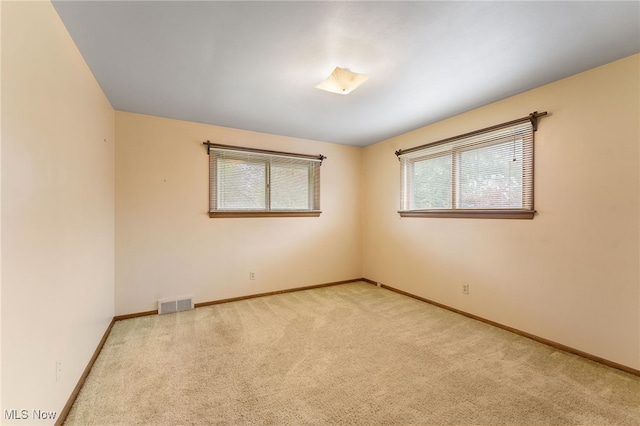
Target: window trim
[[474, 213], [260, 213], [269, 158], [471, 213]]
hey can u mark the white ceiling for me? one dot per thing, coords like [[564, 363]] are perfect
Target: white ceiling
[[254, 65]]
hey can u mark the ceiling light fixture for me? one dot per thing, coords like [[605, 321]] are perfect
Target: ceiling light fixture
[[342, 81]]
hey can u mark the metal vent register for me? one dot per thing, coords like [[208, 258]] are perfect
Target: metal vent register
[[170, 306]]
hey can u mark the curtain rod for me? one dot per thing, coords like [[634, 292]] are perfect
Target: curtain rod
[[262, 151], [533, 118]]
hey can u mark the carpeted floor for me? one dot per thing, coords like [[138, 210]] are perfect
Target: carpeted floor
[[351, 354]]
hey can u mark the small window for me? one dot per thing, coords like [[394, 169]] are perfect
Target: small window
[[487, 173], [245, 182]]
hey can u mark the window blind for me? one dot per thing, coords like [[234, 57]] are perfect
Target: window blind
[[242, 180], [483, 171]]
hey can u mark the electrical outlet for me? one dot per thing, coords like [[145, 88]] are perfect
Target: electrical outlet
[[252, 275], [58, 370], [465, 288]]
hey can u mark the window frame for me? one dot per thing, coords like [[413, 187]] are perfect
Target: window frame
[[453, 147], [268, 158]]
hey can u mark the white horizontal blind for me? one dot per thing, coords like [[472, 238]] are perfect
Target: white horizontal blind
[[431, 180], [491, 170], [241, 182], [255, 181], [290, 185]]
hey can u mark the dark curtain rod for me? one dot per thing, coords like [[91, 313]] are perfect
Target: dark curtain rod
[[533, 118], [262, 151]]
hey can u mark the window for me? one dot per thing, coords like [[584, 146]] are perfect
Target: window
[[487, 173], [246, 182]]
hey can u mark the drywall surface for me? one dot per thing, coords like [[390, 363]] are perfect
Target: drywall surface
[[57, 213], [0, 212], [571, 274], [168, 247]]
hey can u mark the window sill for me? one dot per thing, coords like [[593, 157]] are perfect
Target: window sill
[[471, 214], [247, 213]]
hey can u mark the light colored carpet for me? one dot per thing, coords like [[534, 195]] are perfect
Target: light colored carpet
[[351, 354]]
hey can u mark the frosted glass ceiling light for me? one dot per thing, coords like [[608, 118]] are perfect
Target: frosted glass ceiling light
[[342, 81]]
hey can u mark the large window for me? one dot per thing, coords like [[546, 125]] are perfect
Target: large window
[[249, 182], [487, 173]]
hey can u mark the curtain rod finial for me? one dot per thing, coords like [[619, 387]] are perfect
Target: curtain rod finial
[[533, 117]]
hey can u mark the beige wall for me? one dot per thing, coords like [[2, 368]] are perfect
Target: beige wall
[[1, 82], [0, 208], [570, 275], [57, 210], [167, 246]]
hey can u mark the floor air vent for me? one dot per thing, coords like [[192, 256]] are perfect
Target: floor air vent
[[170, 306]]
